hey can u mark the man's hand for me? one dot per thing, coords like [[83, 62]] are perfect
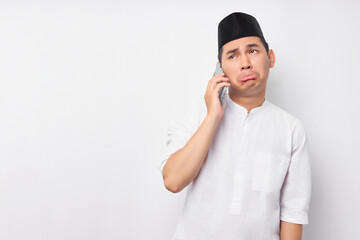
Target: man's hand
[[290, 231], [214, 108]]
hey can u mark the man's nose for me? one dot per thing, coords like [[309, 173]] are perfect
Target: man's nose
[[245, 64]]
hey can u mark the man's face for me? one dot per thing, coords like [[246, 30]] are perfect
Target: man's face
[[247, 57]]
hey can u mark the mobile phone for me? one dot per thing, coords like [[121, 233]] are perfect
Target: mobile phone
[[223, 90]]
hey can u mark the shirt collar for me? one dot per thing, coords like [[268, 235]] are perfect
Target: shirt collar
[[242, 110]]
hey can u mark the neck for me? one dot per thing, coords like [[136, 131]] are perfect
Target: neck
[[248, 102]]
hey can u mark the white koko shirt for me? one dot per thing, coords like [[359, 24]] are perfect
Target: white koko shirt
[[256, 173]]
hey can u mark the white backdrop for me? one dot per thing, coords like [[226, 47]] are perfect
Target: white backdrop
[[87, 89]]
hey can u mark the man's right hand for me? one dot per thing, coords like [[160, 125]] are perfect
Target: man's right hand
[[213, 105]]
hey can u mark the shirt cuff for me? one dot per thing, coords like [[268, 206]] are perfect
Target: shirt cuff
[[298, 218], [162, 167]]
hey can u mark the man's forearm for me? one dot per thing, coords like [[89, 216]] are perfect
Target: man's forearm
[[290, 231], [184, 165]]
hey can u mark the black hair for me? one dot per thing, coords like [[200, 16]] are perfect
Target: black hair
[[266, 45]]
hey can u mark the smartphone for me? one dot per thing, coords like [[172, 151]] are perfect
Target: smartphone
[[223, 90]]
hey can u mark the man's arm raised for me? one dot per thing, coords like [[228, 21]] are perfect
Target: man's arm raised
[[184, 165]]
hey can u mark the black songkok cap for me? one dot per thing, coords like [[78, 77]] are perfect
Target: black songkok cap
[[237, 25]]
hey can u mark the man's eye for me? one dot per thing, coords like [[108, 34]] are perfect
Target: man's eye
[[231, 57], [252, 51]]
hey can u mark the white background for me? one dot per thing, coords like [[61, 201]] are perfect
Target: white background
[[86, 93]]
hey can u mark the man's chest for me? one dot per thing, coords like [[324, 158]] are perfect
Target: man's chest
[[253, 152]]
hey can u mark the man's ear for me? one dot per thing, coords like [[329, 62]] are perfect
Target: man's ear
[[271, 55]]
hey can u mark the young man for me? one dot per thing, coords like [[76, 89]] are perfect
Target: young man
[[245, 162]]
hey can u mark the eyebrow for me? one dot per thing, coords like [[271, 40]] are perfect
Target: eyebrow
[[247, 46]]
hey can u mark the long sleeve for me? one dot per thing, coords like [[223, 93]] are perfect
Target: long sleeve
[[296, 190]]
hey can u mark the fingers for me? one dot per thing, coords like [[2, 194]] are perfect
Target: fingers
[[220, 85], [217, 79]]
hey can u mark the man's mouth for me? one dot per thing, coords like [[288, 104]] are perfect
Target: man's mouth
[[249, 77]]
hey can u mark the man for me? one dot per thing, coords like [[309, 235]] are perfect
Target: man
[[245, 162]]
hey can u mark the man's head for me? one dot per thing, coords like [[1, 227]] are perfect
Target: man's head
[[243, 51]]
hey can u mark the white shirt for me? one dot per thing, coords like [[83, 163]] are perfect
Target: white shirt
[[256, 173]]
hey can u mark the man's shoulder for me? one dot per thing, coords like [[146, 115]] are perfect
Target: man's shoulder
[[283, 114], [190, 112], [198, 109]]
